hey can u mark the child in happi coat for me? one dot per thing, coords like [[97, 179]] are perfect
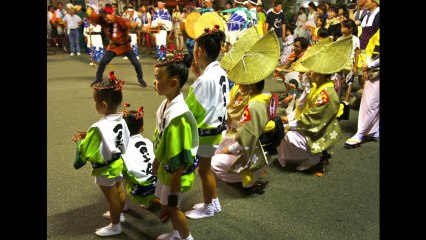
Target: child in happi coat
[[175, 144], [103, 145], [140, 181], [208, 99]]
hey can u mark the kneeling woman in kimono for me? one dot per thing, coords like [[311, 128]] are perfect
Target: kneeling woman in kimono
[[316, 128], [240, 157]]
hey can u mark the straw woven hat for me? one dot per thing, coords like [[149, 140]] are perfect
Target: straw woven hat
[[252, 58], [297, 66], [331, 58], [208, 20]]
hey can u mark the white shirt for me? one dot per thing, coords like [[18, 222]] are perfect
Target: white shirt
[[72, 21], [59, 13], [301, 19], [311, 20], [93, 28], [355, 44], [49, 15], [374, 64]]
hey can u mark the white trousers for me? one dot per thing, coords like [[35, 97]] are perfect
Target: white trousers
[[161, 38], [221, 163], [369, 111], [96, 41], [293, 147]]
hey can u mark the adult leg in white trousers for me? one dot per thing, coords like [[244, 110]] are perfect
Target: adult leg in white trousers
[[294, 147], [221, 163], [369, 112]]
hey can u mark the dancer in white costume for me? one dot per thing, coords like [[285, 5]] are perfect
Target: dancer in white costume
[[133, 18], [163, 20], [92, 33]]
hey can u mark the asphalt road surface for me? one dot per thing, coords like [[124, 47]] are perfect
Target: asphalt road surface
[[343, 204]]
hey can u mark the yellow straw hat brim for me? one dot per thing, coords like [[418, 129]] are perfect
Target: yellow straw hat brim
[[331, 58], [297, 66], [252, 58]]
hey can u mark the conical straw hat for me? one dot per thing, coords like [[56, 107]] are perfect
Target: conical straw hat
[[331, 58], [252, 58], [244, 43], [208, 20], [309, 52]]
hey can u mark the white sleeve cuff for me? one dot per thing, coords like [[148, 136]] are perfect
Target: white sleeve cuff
[[374, 64], [293, 124], [235, 148]]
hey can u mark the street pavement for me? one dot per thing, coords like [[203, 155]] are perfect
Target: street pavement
[[343, 204]]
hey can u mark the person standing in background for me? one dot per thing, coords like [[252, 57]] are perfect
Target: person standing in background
[[145, 17], [57, 22], [72, 23], [177, 18], [163, 20], [261, 18], [276, 19]]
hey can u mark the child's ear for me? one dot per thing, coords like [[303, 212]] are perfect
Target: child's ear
[[105, 104], [198, 51], [174, 82]]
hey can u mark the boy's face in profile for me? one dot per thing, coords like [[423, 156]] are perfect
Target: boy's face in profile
[[162, 82]]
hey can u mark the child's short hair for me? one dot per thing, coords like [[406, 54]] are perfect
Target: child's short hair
[[110, 91], [211, 40], [322, 32], [134, 123], [323, 21], [295, 82], [290, 29], [304, 43], [260, 85], [322, 7], [335, 31], [350, 24], [276, 3], [312, 5], [334, 9]]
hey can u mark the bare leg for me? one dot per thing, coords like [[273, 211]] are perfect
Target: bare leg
[[348, 94], [114, 202], [207, 179], [121, 193], [179, 221]]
